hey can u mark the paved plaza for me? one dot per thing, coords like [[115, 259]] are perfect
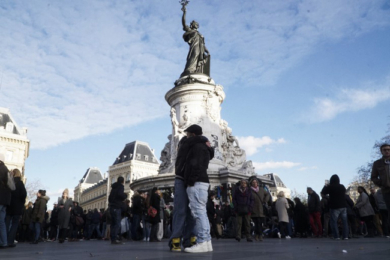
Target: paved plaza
[[224, 249]]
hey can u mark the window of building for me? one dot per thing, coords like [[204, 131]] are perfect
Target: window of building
[[128, 177], [146, 158], [138, 156], [130, 156]]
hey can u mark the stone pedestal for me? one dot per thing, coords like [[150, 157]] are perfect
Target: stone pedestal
[[196, 99]]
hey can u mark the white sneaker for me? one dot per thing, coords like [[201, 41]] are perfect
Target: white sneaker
[[198, 248], [148, 239], [144, 239], [209, 246], [279, 235], [288, 237], [15, 242]]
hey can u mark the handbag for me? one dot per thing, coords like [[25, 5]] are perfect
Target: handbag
[[152, 212], [79, 221]]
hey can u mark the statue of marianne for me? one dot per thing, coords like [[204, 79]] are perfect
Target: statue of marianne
[[198, 53]]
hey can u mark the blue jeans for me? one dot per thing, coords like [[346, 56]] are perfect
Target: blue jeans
[[183, 224], [3, 229], [146, 228], [334, 216], [290, 226], [115, 222], [93, 227], [197, 195], [12, 223], [134, 226], [129, 231], [36, 228]]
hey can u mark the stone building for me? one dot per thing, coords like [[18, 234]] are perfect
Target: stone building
[[91, 192], [276, 186], [14, 143], [136, 161]]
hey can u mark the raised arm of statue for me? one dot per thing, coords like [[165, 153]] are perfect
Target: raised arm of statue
[[183, 19]]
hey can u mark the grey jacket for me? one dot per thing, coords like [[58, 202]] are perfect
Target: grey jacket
[[364, 205]]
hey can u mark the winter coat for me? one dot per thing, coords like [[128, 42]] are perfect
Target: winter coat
[[336, 193], [5, 191], [39, 209], [95, 218], [259, 199], [364, 205], [379, 200], [54, 217], [18, 198], [107, 216], [138, 205], [183, 149], [301, 218], [26, 218], [281, 206], [117, 196], [210, 209], [243, 199], [325, 204], [313, 202], [197, 161], [155, 203], [64, 213], [380, 175]]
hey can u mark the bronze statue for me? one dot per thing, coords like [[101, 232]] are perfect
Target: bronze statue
[[198, 56]]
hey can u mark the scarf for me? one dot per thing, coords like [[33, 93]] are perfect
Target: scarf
[[242, 189], [255, 189]]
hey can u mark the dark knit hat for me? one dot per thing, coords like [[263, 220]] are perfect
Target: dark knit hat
[[194, 129]]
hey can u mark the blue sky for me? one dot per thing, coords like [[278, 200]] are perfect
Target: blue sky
[[307, 82]]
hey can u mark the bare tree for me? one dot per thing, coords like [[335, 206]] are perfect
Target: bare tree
[[302, 196], [364, 172], [32, 188]]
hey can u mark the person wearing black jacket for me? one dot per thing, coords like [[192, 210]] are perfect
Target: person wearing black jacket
[[137, 209], [116, 203], [54, 222], [314, 205], [5, 201], [337, 205], [197, 181], [154, 220], [15, 210], [183, 222]]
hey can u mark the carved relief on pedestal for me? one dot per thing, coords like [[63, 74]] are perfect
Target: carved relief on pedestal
[[166, 156], [212, 101], [232, 153]]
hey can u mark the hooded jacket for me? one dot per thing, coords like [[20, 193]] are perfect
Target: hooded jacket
[[313, 202], [197, 161], [336, 193], [183, 149], [117, 196], [39, 210]]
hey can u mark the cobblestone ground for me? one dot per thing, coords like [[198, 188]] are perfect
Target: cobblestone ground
[[224, 249]]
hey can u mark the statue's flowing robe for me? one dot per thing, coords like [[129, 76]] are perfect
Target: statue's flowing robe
[[195, 57]]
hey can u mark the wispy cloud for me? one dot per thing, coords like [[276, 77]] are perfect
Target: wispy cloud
[[252, 144], [275, 165], [308, 168], [73, 69], [346, 100]]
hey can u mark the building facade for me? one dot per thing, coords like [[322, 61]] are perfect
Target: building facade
[[14, 143], [137, 160], [91, 192], [277, 186]]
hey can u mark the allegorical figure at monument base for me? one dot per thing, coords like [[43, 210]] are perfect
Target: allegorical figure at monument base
[[198, 55]]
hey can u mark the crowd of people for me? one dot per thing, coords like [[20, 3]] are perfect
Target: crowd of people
[[197, 214]]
